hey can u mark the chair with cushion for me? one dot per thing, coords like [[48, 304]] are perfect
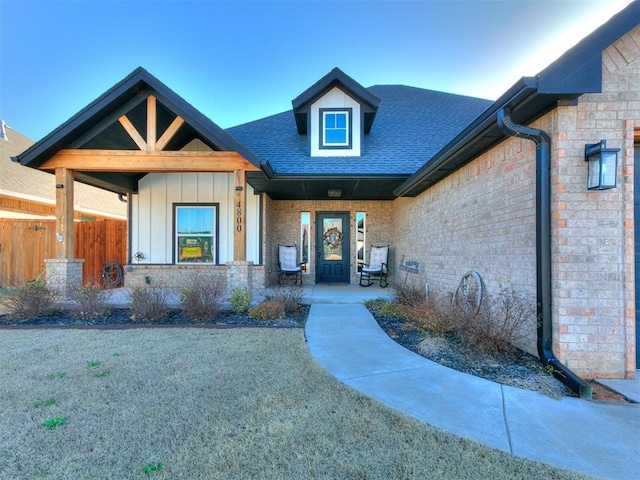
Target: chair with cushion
[[288, 264], [377, 266]]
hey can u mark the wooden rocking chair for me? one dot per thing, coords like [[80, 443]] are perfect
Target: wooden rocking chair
[[377, 266], [288, 264]]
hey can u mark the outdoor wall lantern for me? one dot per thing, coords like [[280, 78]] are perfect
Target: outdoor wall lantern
[[602, 170]]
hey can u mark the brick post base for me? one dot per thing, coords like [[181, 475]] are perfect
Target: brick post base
[[63, 277], [239, 275]]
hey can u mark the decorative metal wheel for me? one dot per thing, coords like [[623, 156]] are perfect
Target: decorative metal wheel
[[112, 274], [468, 295]]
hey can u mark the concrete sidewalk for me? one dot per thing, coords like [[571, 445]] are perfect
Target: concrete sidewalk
[[596, 438]]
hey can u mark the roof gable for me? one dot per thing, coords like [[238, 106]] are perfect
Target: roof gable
[[335, 78], [579, 70], [97, 126]]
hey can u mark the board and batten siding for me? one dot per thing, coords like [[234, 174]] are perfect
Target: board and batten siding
[[152, 214]]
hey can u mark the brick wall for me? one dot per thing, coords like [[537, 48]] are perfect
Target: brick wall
[[593, 264], [482, 217], [283, 220]]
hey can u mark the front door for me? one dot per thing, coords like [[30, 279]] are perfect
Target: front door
[[332, 247]]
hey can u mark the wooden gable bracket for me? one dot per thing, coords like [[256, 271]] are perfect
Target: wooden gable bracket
[[152, 143]]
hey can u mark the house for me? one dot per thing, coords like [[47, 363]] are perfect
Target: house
[[456, 184], [27, 210], [30, 194]]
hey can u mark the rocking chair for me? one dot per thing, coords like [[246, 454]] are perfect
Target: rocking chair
[[288, 264], [377, 266]]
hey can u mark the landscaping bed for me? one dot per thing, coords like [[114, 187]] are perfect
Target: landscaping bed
[[515, 368], [122, 318]]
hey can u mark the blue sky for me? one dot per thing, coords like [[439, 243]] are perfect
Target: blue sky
[[238, 61]]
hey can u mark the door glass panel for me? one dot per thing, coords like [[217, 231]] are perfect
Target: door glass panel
[[332, 238]]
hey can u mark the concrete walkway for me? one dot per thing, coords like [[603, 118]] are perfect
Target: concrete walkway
[[596, 438]]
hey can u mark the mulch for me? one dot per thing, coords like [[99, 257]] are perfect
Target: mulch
[[516, 367], [121, 318]]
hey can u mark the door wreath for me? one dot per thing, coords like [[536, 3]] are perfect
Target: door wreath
[[332, 238]]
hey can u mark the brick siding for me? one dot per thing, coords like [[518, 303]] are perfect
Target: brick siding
[[283, 220], [482, 217]]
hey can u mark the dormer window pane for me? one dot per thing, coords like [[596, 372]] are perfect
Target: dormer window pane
[[336, 130]]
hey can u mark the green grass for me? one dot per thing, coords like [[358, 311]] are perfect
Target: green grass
[[54, 422], [45, 403], [215, 404], [151, 468]]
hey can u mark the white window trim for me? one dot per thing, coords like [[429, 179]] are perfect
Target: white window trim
[[343, 145]]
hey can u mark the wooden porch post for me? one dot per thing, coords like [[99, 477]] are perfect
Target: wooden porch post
[[64, 213], [239, 202]]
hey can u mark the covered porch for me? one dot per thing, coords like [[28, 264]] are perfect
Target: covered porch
[[140, 132]]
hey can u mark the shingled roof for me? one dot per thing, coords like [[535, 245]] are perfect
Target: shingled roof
[[411, 125]]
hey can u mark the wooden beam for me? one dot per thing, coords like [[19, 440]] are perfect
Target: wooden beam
[[151, 123], [147, 162], [64, 213], [239, 207], [133, 133], [169, 133]]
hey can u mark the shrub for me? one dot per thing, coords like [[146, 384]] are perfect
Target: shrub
[[289, 295], [411, 293], [91, 302], [203, 297], [148, 303], [32, 299], [498, 326], [433, 314], [384, 308], [267, 310], [240, 300]]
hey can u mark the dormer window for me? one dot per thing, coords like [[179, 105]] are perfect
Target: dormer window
[[335, 125]]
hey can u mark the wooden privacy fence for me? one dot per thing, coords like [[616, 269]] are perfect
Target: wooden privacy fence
[[25, 244]]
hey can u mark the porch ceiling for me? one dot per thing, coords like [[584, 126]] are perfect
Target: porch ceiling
[[366, 188]]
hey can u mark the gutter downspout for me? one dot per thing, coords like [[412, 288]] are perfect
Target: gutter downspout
[[543, 252]]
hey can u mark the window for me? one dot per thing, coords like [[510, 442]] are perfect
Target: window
[[335, 127], [195, 233], [361, 232], [305, 219]]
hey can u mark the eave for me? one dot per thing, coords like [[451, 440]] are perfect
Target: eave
[[577, 72]]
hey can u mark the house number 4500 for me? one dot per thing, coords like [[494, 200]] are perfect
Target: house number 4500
[[238, 217]]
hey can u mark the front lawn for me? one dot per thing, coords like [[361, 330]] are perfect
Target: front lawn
[[210, 403]]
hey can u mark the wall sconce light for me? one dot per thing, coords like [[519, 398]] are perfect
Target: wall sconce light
[[59, 185], [602, 171], [334, 193], [238, 188]]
